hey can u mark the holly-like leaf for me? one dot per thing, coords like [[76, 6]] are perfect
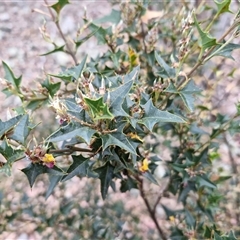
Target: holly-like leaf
[[99, 109], [11, 155], [187, 94], [73, 73], [54, 180], [106, 174], [128, 184], [117, 97], [81, 167], [9, 76], [206, 41], [223, 6], [226, 51], [56, 49], [21, 130], [32, 171], [114, 17], [153, 115], [59, 5], [167, 69], [99, 32], [118, 139], [72, 130], [204, 181], [150, 177], [51, 87], [8, 125], [78, 43]]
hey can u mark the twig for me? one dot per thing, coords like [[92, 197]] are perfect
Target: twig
[[235, 172], [69, 50], [151, 211]]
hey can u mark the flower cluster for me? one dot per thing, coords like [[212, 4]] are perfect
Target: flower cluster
[[39, 155]]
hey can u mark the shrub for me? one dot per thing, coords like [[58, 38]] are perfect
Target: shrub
[[119, 112]]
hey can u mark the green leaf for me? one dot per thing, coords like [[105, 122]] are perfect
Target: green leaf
[[78, 43], [190, 220], [114, 17], [59, 5], [118, 139], [187, 94], [22, 130], [11, 155], [206, 41], [226, 51], [128, 184], [9, 76], [72, 73], [99, 32], [221, 179], [32, 171], [56, 49], [168, 70], [99, 109], [51, 87], [150, 177], [153, 115], [106, 174], [8, 125], [80, 167], [223, 6], [204, 181], [117, 97], [54, 180], [72, 130]]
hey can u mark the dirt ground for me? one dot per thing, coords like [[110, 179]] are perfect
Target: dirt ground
[[21, 45]]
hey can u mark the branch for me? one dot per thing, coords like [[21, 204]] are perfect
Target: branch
[[69, 50], [151, 211]]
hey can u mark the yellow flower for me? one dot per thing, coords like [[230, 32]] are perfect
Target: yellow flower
[[49, 160], [144, 166], [172, 218], [134, 136]]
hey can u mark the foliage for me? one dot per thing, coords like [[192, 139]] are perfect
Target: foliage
[[140, 88]]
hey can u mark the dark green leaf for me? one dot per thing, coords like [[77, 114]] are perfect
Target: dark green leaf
[[153, 115], [56, 49], [78, 43], [9, 76], [226, 51], [80, 167], [8, 125], [204, 181], [99, 109], [128, 184], [21, 130], [190, 220], [206, 41], [223, 6], [32, 171], [168, 70], [99, 32], [59, 5], [106, 174], [150, 177], [51, 87], [54, 180], [118, 139], [221, 179], [11, 155], [72, 73], [72, 130], [117, 97]]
